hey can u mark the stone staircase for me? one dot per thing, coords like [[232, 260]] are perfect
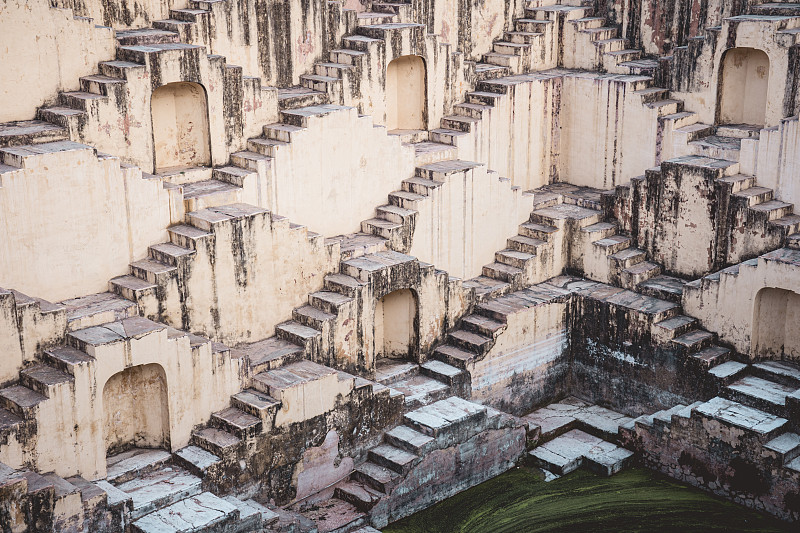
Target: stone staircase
[[754, 222], [571, 433], [51, 397], [377, 489], [729, 448], [109, 96], [146, 491]]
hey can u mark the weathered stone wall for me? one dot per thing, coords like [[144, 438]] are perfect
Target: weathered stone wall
[[617, 362], [778, 163], [69, 436], [282, 462], [660, 27], [243, 256], [722, 458], [530, 363], [463, 222], [38, 63], [65, 188], [333, 174], [725, 303], [695, 71]]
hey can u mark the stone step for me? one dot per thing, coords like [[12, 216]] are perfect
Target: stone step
[[312, 317], [252, 515], [663, 287], [393, 458], [24, 132], [535, 230], [257, 404], [694, 340], [482, 325], [760, 393], [753, 196], [737, 182], [216, 441], [277, 383], [237, 422], [527, 245], [200, 512], [711, 356], [376, 266], [459, 123], [378, 477], [159, 489], [152, 271], [446, 135], [471, 341], [663, 419], [187, 236], [92, 497], [432, 152], [503, 272], [334, 516], [467, 109], [328, 301], [771, 210], [613, 244], [21, 401], [271, 353], [196, 460], [782, 372], [410, 440], [343, 284], [362, 496], [786, 446], [726, 373], [559, 214], [510, 61], [575, 448], [44, 379], [675, 326], [96, 309], [145, 36], [390, 371], [454, 356], [513, 258], [448, 417], [627, 258], [761, 424], [639, 273], [170, 254], [134, 463], [420, 390], [486, 288], [296, 333], [9, 423]]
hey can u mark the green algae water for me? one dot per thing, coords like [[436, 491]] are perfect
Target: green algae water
[[633, 500]]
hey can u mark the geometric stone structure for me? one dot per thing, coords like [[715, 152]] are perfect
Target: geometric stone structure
[[273, 265]]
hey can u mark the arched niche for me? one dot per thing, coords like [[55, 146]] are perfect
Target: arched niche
[[406, 94], [743, 84], [136, 409], [396, 325], [776, 315], [180, 126]]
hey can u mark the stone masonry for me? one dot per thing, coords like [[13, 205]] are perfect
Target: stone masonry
[[279, 265]]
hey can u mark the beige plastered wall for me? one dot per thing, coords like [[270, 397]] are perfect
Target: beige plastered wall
[[728, 307], [73, 220], [38, 64]]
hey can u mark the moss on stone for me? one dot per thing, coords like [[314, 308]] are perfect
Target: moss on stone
[[633, 500]]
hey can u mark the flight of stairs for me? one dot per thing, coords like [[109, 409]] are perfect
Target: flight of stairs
[[401, 462]]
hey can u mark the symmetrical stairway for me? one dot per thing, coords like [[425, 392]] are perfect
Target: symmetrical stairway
[[378, 487]]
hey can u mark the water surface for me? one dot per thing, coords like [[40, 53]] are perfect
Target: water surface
[[633, 500]]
